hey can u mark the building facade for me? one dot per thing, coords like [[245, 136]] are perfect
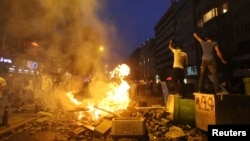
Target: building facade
[[176, 24], [227, 21], [147, 69], [142, 62]]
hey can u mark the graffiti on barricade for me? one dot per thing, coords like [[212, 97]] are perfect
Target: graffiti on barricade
[[205, 102]]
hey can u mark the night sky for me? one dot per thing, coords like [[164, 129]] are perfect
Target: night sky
[[134, 21], [121, 25]]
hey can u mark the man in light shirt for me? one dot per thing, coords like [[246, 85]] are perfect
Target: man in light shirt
[[179, 65]]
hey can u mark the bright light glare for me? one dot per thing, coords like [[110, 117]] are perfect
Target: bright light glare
[[101, 48]]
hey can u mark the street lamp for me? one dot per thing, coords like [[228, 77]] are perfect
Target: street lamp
[[101, 48]]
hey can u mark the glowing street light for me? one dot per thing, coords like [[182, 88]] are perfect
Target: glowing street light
[[101, 48], [34, 44]]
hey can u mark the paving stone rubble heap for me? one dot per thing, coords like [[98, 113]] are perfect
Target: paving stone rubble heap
[[61, 125]]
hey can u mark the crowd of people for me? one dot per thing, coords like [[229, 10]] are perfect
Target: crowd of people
[[17, 91], [145, 88]]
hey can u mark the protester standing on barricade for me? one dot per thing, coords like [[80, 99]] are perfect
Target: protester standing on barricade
[[210, 49], [179, 65]]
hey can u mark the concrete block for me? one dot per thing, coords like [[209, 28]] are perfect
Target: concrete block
[[175, 132], [103, 128]]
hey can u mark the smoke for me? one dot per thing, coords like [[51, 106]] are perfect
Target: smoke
[[72, 30]]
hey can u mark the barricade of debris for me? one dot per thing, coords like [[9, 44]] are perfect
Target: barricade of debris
[[149, 124], [161, 128]]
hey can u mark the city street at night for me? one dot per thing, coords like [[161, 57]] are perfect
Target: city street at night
[[124, 70]]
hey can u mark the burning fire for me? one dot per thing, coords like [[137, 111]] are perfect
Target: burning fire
[[72, 98], [92, 109], [117, 95]]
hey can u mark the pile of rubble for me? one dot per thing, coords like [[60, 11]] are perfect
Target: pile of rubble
[[63, 126], [161, 128]]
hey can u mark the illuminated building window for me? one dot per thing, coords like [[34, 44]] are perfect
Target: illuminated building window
[[210, 14]]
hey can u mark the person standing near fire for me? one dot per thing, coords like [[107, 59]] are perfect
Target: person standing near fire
[[179, 65], [3, 86], [47, 83], [210, 49]]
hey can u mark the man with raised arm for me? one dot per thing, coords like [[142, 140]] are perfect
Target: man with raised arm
[[210, 49], [179, 65]]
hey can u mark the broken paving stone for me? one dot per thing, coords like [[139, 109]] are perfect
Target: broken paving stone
[[103, 128], [163, 129], [41, 120], [175, 132], [46, 114], [78, 131], [158, 134], [192, 132], [165, 121]]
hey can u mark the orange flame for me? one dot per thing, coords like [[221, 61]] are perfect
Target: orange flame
[[71, 97], [96, 113], [117, 96]]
